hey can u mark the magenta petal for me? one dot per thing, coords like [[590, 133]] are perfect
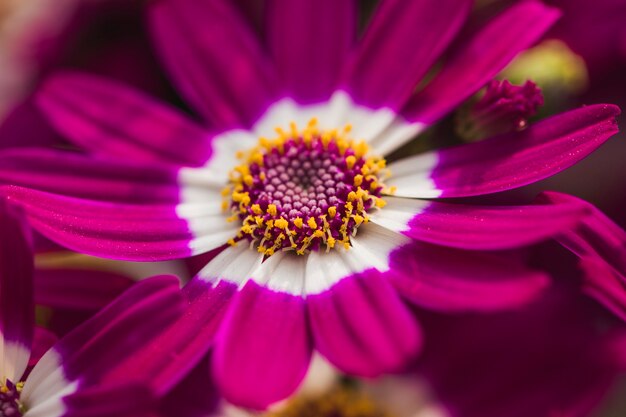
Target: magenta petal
[[452, 280], [133, 319], [477, 227], [402, 42], [480, 58], [508, 161], [17, 309], [309, 41], [108, 118], [214, 59], [78, 289], [168, 358], [362, 326], [263, 349], [128, 232], [86, 177]]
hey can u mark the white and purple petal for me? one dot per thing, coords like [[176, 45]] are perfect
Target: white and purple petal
[[452, 280], [125, 231], [507, 161], [17, 309], [265, 335], [362, 326], [168, 358], [85, 355], [476, 227]]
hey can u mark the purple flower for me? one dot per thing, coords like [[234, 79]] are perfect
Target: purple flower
[[325, 237], [66, 380]]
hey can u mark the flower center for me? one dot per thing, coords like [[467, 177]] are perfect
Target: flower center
[[10, 405], [304, 190]]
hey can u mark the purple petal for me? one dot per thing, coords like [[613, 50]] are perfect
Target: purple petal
[[17, 309], [134, 318], [78, 289], [476, 227], [402, 42], [362, 326], [82, 176], [107, 118], [452, 280], [480, 58], [263, 349], [214, 59], [309, 41], [128, 232], [507, 161], [168, 358]]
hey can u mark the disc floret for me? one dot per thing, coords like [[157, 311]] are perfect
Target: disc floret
[[304, 190], [10, 404]]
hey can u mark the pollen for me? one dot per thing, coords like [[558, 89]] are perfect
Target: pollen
[[304, 190]]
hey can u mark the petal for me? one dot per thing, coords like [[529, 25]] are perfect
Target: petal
[[168, 358], [362, 326], [507, 161], [125, 231], [475, 62], [264, 335], [107, 118], [480, 58], [309, 40], [87, 353], [476, 227], [214, 59], [17, 309], [401, 43], [452, 280], [371, 250], [78, 289], [86, 177]]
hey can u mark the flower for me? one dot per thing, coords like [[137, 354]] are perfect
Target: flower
[[326, 238], [66, 379]]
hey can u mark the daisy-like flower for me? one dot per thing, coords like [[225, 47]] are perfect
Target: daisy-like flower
[[321, 238], [66, 380]]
